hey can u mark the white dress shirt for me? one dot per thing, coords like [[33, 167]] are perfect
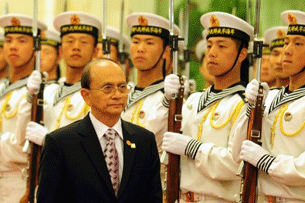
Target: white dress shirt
[[100, 129]]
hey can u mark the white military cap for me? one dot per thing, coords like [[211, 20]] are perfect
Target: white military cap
[[201, 46], [19, 24], [227, 25], [113, 35], [50, 37], [150, 24], [275, 36], [295, 21], [1, 38], [77, 22]]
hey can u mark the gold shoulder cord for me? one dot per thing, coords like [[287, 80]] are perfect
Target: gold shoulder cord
[[281, 114], [136, 113], [233, 115], [7, 99], [83, 111]]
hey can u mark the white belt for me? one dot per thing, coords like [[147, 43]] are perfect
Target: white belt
[[4, 174], [273, 199], [195, 197]]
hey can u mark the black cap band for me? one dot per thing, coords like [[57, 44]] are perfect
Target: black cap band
[[296, 30], [50, 42], [228, 32], [277, 43], [87, 29], [113, 41], [150, 30], [25, 30]]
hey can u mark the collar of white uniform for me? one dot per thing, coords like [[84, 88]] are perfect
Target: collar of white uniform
[[211, 95], [16, 85], [65, 91], [284, 96], [137, 95]]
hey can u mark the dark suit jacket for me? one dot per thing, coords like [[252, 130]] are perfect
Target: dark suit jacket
[[73, 168]]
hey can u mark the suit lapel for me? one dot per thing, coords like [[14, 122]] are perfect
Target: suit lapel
[[129, 154], [93, 148]]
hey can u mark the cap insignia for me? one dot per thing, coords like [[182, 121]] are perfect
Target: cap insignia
[[15, 21], [75, 20], [280, 34], [142, 21], [292, 19], [214, 21]]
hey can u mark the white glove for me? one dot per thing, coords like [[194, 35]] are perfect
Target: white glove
[[34, 81], [171, 85], [251, 152], [252, 91], [36, 133], [175, 143]]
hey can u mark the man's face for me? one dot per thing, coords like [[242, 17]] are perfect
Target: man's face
[[220, 55], [106, 104], [204, 72], [113, 52], [294, 52], [18, 49], [275, 61], [266, 73], [145, 50], [77, 49], [3, 63], [49, 58]]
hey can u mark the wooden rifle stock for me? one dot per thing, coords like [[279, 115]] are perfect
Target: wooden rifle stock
[[174, 125], [35, 150], [249, 194]]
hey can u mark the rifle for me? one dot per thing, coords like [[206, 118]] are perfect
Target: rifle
[[174, 119], [106, 41], [250, 173], [122, 55], [36, 116]]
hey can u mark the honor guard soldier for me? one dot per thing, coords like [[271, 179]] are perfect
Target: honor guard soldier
[[79, 33], [275, 37], [19, 54], [208, 171], [3, 64], [113, 36], [148, 50], [50, 57], [280, 159], [200, 51], [266, 73]]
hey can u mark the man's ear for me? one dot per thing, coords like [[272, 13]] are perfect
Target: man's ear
[[167, 52], [243, 55], [86, 96]]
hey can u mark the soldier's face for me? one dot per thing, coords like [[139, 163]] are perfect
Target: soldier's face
[[294, 52], [220, 55], [18, 49], [3, 63], [49, 58], [266, 73], [77, 49], [275, 60], [145, 50], [113, 52]]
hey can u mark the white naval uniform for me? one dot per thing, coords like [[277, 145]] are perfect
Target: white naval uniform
[[286, 177], [145, 108], [12, 158], [68, 107], [212, 173]]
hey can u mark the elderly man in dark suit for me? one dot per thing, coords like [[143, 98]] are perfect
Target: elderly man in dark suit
[[101, 158]]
